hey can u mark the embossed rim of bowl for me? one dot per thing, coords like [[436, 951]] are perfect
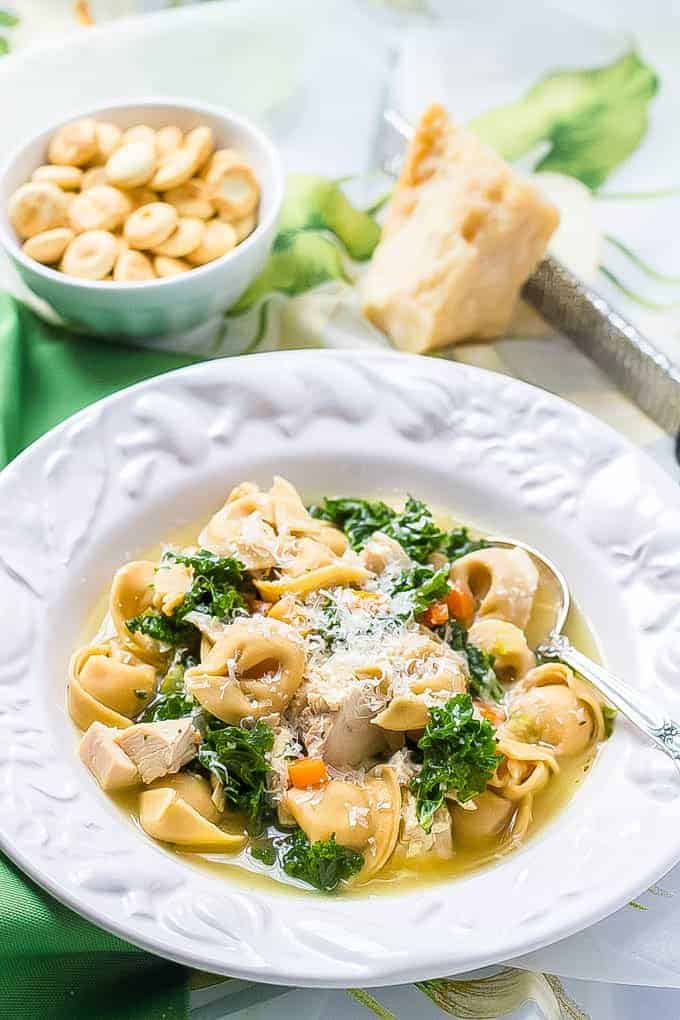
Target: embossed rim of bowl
[[9, 239], [497, 451]]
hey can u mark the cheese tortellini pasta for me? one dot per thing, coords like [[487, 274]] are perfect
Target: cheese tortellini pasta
[[503, 581], [329, 694], [108, 684], [252, 671]]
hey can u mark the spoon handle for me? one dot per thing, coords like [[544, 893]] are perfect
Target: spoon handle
[[639, 709]]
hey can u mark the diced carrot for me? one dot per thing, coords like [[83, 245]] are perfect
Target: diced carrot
[[494, 713], [435, 614], [307, 772], [461, 604]]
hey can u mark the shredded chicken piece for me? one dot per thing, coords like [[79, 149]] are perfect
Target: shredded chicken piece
[[171, 583], [381, 551], [413, 838], [404, 766], [313, 728], [285, 749], [159, 748]]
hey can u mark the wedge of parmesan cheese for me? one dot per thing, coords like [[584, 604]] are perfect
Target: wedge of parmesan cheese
[[463, 233]]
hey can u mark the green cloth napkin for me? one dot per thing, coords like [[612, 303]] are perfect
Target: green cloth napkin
[[54, 964], [46, 374]]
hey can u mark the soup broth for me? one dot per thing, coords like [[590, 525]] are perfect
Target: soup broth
[[400, 871]]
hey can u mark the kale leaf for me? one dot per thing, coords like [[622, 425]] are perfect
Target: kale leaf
[[169, 630], [422, 585], [459, 753], [172, 701], [264, 853], [323, 864], [358, 518], [415, 530], [213, 591], [412, 527], [483, 681], [238, 758], [221, 569], [168, 706], [458, 543], [215, 588]]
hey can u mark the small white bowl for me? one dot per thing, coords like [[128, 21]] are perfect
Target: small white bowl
[[172, 304]]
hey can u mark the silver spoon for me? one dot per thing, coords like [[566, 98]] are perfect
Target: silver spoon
[[636, 707]]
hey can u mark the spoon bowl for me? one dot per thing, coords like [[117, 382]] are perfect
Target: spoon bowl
[[550, 616]]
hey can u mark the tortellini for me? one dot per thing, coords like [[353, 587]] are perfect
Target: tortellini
[[108, 685], [525, 768], [291, 611], [486, 822], [291, 518], [271, 529], [142, 586], [166, 814], [364, 817], [192, 788], [305, 555], [503, 582], [552, 707], [339, 572], [524, 771], [243, 528], [132, 593], [508, 645], [552, 714], [250, 672], [340, 808]]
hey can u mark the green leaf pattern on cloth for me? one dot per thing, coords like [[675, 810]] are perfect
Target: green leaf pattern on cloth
[[300, 263], [7, 20], [500, 994], [304, 254], [592, 120], [376, 1007], [315, 203]]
